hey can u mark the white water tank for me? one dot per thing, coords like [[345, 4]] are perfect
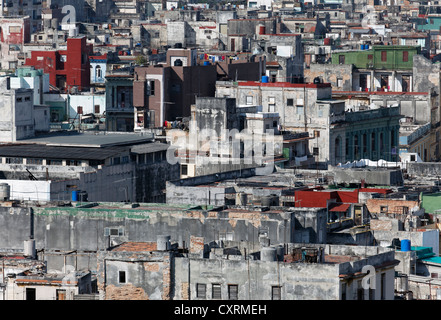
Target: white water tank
[[5, 192], [163, 243], [29, 248]]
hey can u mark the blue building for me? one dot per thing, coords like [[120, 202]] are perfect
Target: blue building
[[98, 68]]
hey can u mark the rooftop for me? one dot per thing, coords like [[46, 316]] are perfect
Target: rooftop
[[75, 139]]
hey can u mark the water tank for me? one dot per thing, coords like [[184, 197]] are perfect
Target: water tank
[[75, 195], [405, 245], [29, 248], [268, 254], [402, 283], [362, 47], [54, 23], [72, 32], [265, 79], [206, 63], [5, 192], [46, 24], [163, 243]]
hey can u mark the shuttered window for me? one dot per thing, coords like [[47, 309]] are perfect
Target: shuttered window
[[216, 291], [233, 291], [276, 293], [201, 290], [405, 56]]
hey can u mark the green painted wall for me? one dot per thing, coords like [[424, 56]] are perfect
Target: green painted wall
[[372, 59], [431, 202]]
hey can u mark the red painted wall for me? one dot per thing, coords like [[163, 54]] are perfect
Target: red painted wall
[[76, 69], [318, 199]]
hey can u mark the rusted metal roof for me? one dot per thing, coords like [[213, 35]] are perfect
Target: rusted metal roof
[[136, 246]]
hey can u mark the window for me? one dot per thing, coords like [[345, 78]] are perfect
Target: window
[[201, 290], [405, 56], [34, 161], [343, 291], [299, 109], [271, 106], [98, 72], [232, 291], [364, 143], [383, 209], [383, 286], [290, 102], [216, 291], [315, 151], [97, 108], [339, 82], [30, 294], [122, 277], [61, 294], [14, 29], [276, 293], [341, 59], [14, 160], [150, 87], [360, 291], [80, 110], [249, 100], [384, 56], [184, 169], [113, 231]]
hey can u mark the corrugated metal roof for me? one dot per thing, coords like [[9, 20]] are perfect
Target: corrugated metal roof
[[343, 207], [136, 246]]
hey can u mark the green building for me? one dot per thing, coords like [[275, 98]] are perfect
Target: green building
[[372, 134], [378, 57]]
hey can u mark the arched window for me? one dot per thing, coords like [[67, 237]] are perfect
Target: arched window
[[98, 72]]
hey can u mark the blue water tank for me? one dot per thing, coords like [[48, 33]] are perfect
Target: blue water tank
[[265, 79], [405, 245], [75, 195], [366, 47], [206, 63], [363, 47]]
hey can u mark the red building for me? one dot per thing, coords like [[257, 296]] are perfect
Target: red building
[[66, 68], [317, 197]]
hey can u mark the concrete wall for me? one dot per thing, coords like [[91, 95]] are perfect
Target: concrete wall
[[375, 177], [83, 228], [424, 169], [148, 275], [428, 238], [339, 76]]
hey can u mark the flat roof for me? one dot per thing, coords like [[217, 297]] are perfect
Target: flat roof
[[91, 140], [38, 151]]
